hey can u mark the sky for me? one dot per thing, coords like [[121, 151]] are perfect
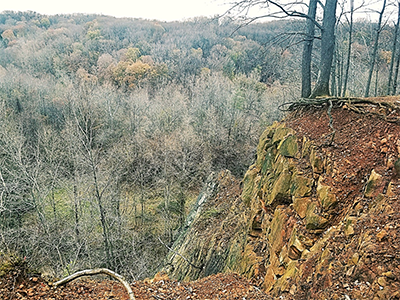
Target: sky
[[164, 10]]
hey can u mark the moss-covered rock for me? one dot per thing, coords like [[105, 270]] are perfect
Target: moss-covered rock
[[296, 233], [313, 220], [373, 185], [281, 132], [305, 147], [278, 230], [282, 284], [349, 226], [249, 262], [326, 197], [296, 247], [267, 163], [288, 147], [249, 184], [301, 205], [301, 186], [281, 189], [11, 262], [265, 142]]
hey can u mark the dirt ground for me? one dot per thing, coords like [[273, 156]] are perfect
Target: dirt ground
[[221, 286]]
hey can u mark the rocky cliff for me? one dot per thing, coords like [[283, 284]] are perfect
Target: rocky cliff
[[316, 216]]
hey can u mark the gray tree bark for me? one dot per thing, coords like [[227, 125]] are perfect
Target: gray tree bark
[[346, 75], [375, 50], [394, 48], [396, 73], [307, 51], [327, 49]]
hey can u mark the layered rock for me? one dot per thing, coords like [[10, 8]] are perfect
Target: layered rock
[[315, 220], [215, 228]]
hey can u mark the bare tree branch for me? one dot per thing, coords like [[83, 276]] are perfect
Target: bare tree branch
[[244, 6], [295, 13]]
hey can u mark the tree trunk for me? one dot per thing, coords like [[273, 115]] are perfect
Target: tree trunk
[[340, 76], [334, 73], [307, 51], [327, 49], [142, 209], [346, 75], [76, 214], [396, 73], [107, 243], [53, 204], [375, 50], [396, 30]]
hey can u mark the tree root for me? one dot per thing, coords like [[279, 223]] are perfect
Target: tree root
[[386, 111], [331, 122], [357, 105], [96, 272]]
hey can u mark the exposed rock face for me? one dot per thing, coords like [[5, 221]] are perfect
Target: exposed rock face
[[215, 228], [314, 221]]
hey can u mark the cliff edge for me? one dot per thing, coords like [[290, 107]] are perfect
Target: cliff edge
[[316, 216]]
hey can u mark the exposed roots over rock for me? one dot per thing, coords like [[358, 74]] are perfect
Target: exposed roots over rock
[[384, 107]]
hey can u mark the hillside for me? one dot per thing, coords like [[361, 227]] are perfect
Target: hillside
[[317, 218], [313, 218], [109, 128]]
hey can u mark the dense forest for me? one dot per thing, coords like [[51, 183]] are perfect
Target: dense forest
[[109, 127]]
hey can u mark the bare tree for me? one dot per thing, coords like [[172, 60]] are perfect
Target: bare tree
[[390, 90], [280, 9], [375, 49], [350, 21], [307, 50], [85, 127], [327, 49]]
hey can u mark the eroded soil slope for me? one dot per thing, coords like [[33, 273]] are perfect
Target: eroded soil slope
[[360, 256], [320, 207]]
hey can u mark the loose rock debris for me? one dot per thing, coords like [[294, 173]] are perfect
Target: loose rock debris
[[221, 286]]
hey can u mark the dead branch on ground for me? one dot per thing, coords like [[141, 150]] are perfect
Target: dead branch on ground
[[96, 272]]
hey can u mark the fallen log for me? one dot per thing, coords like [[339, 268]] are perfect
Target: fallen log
[[96, 272]]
